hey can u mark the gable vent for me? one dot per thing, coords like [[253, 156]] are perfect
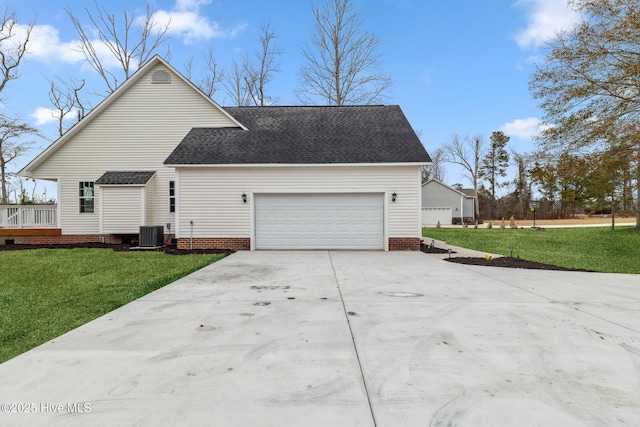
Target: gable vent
[[161, 76]]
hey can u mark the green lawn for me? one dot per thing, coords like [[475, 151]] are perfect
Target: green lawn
[[593, 248], [47, 292]]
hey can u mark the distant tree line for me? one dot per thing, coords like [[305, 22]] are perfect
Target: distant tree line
[[588, 160]]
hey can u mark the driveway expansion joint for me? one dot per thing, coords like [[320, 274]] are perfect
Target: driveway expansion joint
[[348, 314]]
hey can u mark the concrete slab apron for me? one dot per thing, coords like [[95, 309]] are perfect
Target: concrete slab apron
[[257, 339], [448, 344], [437, 344]]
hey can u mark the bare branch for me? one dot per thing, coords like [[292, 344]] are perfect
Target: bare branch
[[212, 77], [12, 146], [131, 45], [341, 58], [259, 71], [12, 48], [467, 152], [235, 84]]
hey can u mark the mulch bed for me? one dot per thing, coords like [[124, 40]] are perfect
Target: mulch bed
[[428, 249], [168, 249], [496, 262], [511, 263]]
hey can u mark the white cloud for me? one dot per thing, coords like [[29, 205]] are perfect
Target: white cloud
[[190, 4], [186, 21], [546, 18], [523, 128], [45, 45], [44, 116]]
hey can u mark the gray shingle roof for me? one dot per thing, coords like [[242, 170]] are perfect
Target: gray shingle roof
[[305, 135], [468, 192], [125, 178]]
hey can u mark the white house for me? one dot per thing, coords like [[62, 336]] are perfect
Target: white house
[[444, 204], [159, 152]]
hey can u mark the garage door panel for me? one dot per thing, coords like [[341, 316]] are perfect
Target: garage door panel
[[319, 221], [431, 216]]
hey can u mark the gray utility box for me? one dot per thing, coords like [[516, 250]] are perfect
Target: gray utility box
[[151, 235]]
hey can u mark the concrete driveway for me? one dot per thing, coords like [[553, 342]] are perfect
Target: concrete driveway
[[345, 339]]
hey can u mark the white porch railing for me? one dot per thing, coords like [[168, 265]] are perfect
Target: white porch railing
[[28, 216]]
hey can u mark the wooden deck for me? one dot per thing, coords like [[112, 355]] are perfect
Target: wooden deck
[[30, 231]]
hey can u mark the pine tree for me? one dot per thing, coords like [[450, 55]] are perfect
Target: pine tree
[[495, 164]]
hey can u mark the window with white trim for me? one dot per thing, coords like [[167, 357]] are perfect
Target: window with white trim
[[86, 197], [172, 196]]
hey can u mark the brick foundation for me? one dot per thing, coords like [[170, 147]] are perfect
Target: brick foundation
[[233, 243], [404, 243], [53, 238]]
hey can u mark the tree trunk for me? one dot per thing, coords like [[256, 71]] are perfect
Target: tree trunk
[[638, 202], [3, 178]]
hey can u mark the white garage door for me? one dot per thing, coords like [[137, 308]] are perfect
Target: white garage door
[[319, 221], [431, 216]]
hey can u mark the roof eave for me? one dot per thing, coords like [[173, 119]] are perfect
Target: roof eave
[[267, 165]]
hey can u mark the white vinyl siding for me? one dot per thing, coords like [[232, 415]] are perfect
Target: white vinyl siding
[[212, 197], [122, 209], [137, 131]]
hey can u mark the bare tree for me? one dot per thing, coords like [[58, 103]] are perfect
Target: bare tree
[[235, 84], [341, 58], [130, 43], [212, 76], [12, 146], [259, 72], [64, 96], [12, 47], [467, 152], [436, 169], [246, 81]]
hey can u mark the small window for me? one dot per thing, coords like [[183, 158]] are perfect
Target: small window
[[161, 76], [172, 196], [86, 197]]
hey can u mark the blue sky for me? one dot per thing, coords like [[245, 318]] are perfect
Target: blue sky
[[457, 66]]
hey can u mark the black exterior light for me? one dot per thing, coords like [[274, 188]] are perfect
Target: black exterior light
[[394, 196], [244, 198]]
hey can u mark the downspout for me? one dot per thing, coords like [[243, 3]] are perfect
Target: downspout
[[191, 238], [461, 210]]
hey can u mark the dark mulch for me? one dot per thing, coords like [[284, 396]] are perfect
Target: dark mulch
[[496, 262], [428, 249], [168, 249], [511, 263]]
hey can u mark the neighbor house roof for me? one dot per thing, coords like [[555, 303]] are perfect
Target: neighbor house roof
[[468, 192], [305, 135], [125, 178]]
